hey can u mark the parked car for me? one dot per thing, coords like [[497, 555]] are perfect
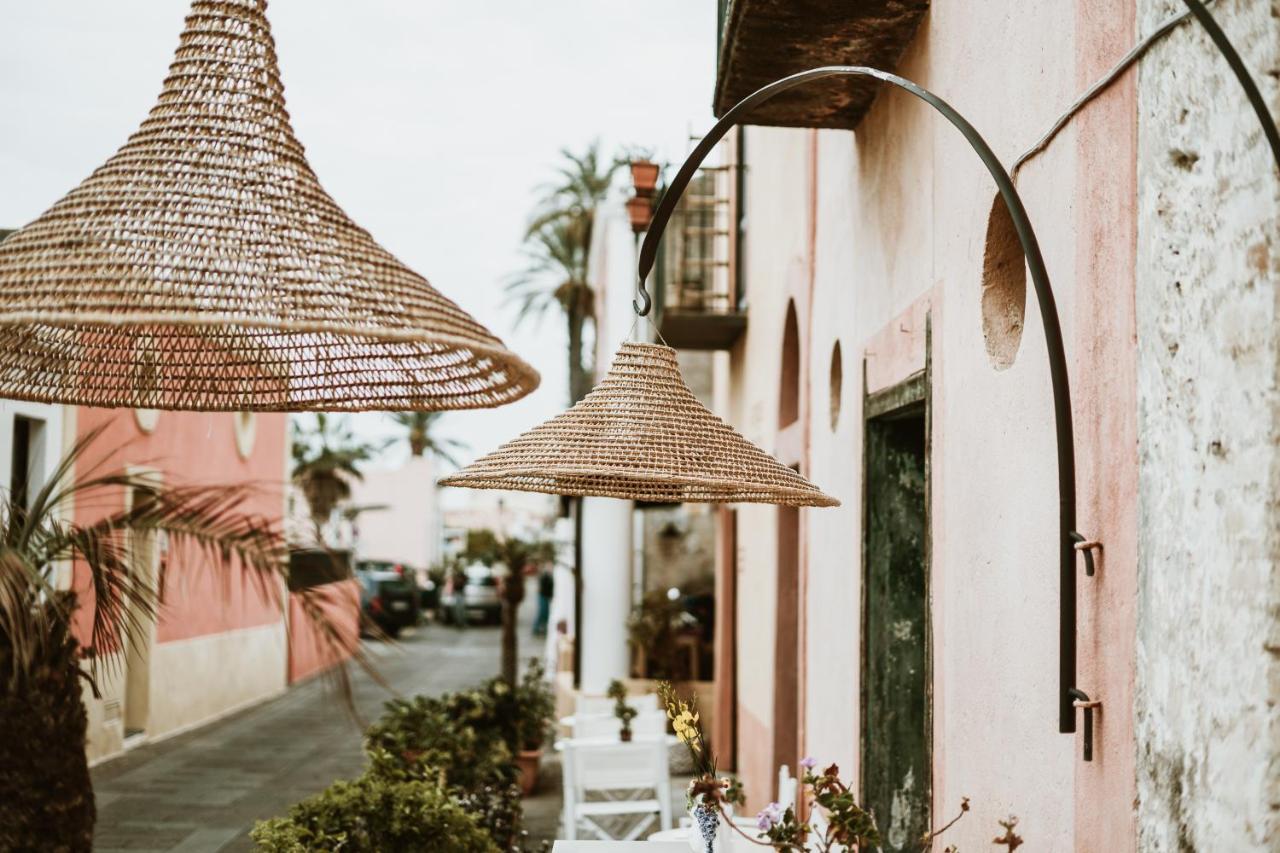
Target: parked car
[[387, 598], [479, 595], [428, 590]]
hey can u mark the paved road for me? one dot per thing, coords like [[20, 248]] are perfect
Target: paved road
[[204, 790]]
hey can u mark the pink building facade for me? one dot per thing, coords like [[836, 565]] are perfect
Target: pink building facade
[[889, 352]]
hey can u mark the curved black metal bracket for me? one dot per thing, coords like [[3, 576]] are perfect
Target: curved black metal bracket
[[1069, 541], [1233, 59], [1044, 297]]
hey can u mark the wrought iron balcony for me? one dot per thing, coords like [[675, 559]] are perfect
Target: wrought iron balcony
[[699, 305]]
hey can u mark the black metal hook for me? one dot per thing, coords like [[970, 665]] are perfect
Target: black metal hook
[[1086, 547], [646, 301], [1084, 703]]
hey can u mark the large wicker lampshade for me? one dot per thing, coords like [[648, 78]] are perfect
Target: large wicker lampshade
[[641, 434], [204, 267]]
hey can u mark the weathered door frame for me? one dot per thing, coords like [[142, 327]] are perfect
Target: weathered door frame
[[904, 397]]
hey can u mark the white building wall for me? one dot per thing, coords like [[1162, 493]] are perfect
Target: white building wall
[[1209, 448], [402, 521]]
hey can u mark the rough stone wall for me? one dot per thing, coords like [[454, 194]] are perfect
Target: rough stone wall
[[1208, 666]]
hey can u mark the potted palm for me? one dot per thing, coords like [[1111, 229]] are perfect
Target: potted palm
[[46, 651]]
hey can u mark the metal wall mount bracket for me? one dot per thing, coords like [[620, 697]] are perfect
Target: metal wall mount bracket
[[1089, 706]]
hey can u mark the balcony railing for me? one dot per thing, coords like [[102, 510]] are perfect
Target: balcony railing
[[699, 305]]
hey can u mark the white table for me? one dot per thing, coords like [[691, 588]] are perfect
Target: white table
[[620, 847]]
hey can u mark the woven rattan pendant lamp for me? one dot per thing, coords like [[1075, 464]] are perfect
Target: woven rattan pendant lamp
[[641, 434], [203, 267]]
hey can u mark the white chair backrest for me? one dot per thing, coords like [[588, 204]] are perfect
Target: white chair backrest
[[593, 706], [649, 724], [604, 705], [786, 787], [640, 764]]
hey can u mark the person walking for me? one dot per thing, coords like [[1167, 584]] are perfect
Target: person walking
[[454, 597], [546, 588]]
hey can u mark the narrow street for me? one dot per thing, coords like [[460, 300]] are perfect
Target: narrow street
[[203, 790]]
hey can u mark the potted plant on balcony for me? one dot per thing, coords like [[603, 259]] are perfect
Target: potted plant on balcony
[[644, 174], [535, 709], [624, 712]]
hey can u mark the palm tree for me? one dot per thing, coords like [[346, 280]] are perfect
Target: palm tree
[[517, 555], [421, 440], [558, 248], [326, 458], [46, 796]]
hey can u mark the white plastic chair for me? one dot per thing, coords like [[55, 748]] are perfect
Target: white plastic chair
[[622, 774], [647, 724]]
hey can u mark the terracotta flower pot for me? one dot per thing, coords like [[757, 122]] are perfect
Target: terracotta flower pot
[[644, 176], [527, 763], [625, 735]]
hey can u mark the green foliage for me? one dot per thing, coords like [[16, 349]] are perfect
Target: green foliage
[[535, 706], [558, 248], [625, 713], [419, 432], [326, 458], [455, 740], [655, 625], [45, 787], [45, 790], [376, 815], [458, 746], [481, 547]]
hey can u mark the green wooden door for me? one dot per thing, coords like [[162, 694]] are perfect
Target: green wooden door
[[896, 765]]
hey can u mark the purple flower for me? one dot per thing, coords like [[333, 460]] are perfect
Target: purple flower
[[770, 817], [808, 762]]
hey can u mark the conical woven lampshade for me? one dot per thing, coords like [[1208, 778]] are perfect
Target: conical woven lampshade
[[203, 267], [641, 435]]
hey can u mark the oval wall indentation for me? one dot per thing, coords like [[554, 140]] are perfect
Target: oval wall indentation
[[1004, 288]]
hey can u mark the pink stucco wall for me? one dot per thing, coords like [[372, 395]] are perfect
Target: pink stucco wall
[[901, 208], [189, 447], [1104, 373], [310, 652]]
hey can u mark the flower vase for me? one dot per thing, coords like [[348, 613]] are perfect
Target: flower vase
[[708, 834]]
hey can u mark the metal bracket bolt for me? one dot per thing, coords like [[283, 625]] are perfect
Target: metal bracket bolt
[[1087, 547], [1083, 702]]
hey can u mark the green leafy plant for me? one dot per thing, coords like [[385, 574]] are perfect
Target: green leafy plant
[[453, 741], [846, 825], [420, 433], [376, 815], [558, 246], [654, 627], [535, 706], [326, 458], [624, 712], [45, 789]]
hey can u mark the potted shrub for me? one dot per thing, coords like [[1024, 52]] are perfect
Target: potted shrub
[[624, 712], [535, 709], [373, 814]]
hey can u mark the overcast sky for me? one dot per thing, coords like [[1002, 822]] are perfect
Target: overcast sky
[[432, 122]]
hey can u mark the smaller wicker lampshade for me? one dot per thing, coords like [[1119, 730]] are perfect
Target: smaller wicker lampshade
[[642, 435]]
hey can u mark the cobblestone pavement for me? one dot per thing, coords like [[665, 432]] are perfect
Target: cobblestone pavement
[[203, 791]]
